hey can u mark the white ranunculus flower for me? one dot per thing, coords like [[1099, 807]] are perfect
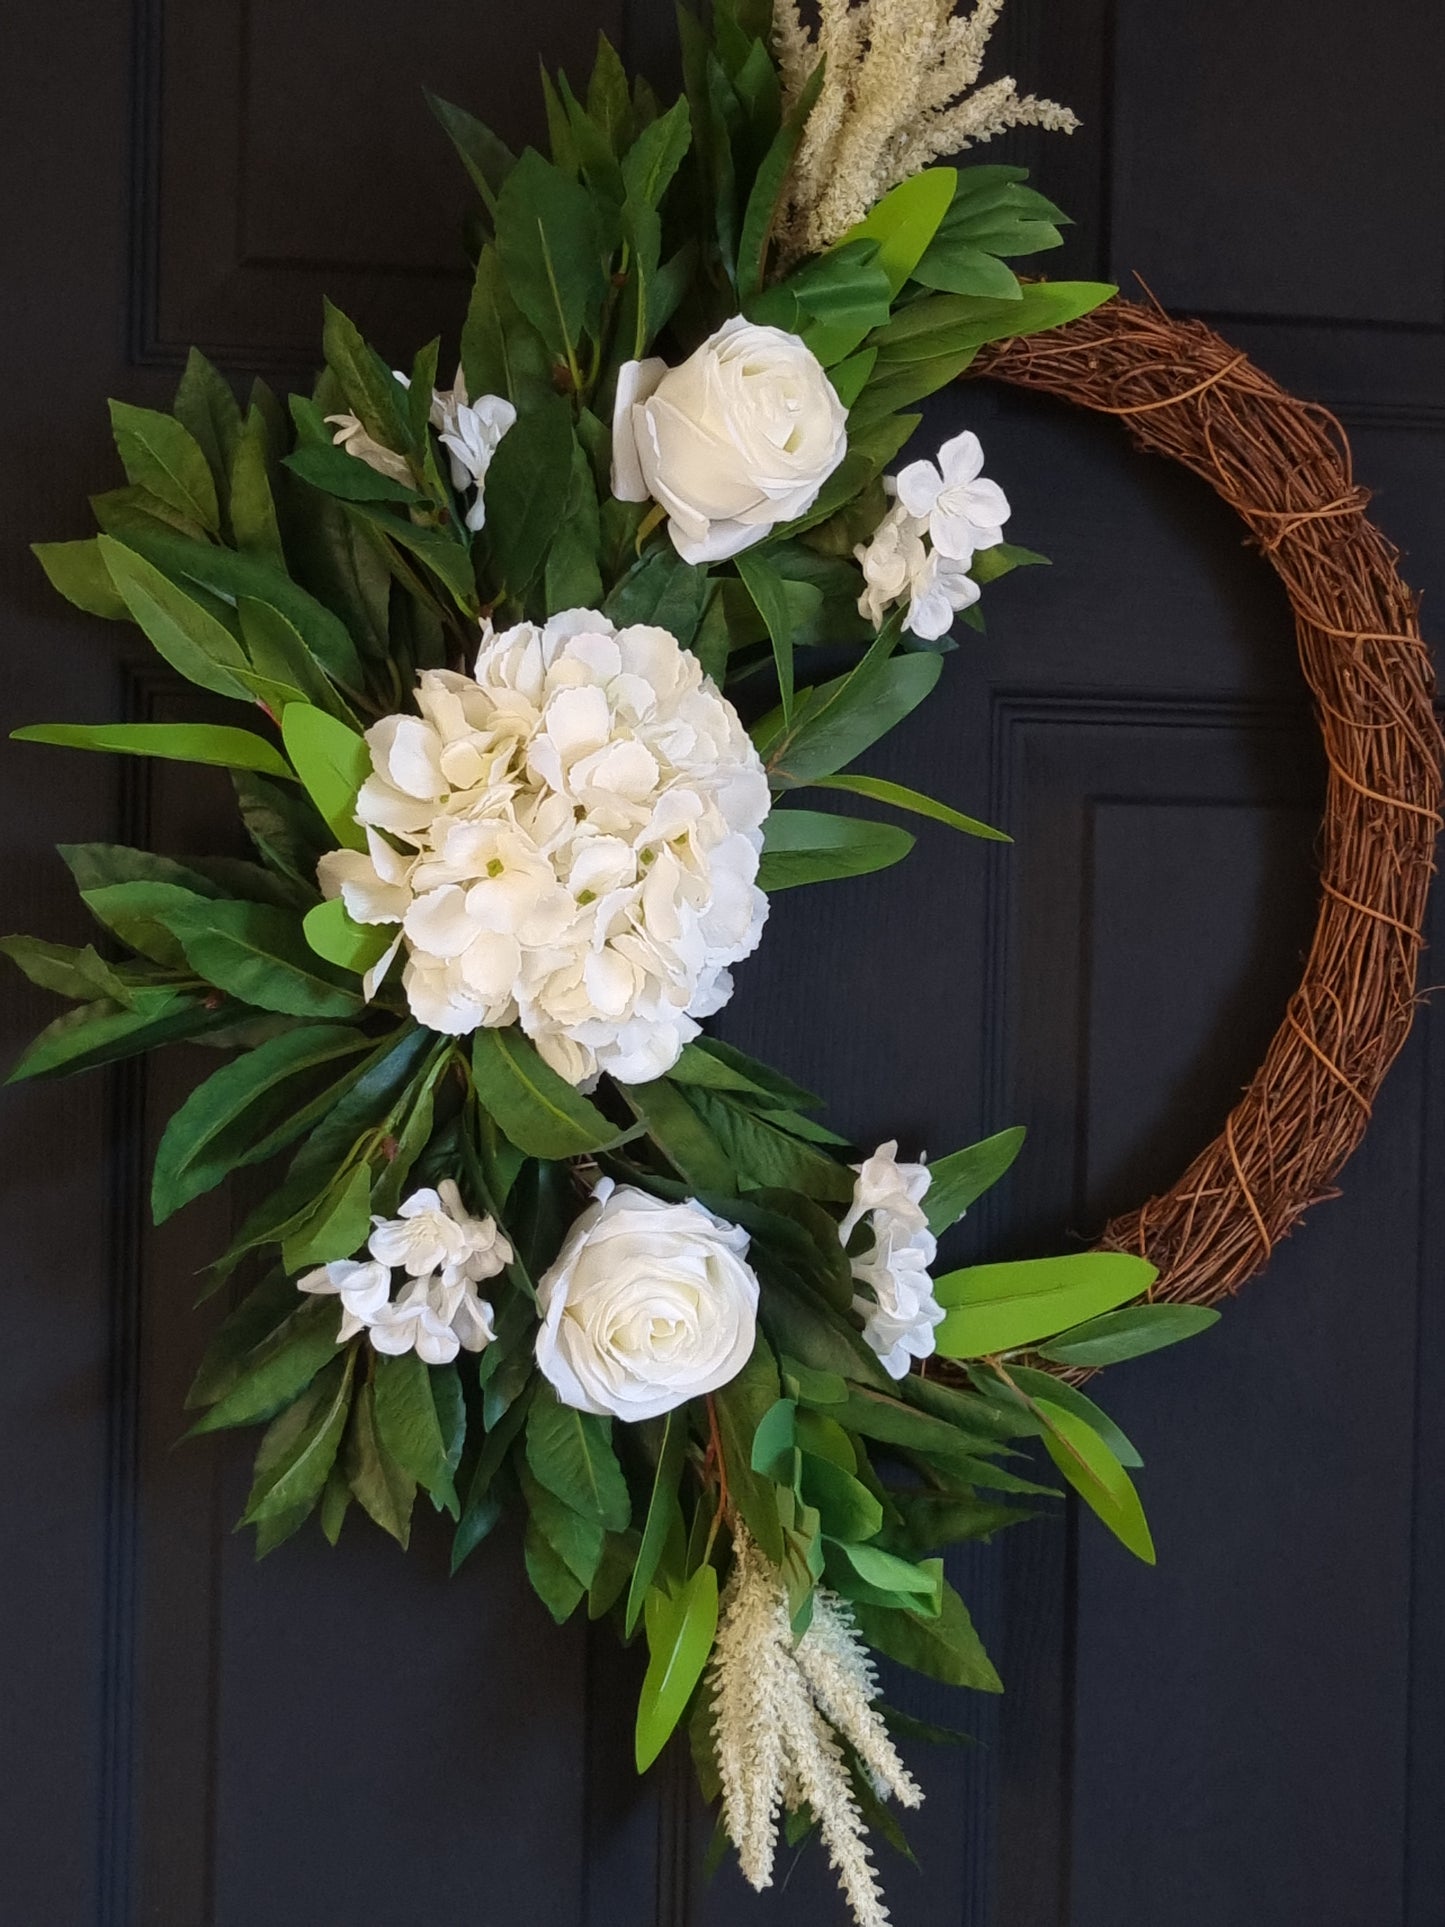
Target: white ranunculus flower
[[898, 1309], [964, 511], [568, 840], [444, 1252], [647, 1305], [739, 437]]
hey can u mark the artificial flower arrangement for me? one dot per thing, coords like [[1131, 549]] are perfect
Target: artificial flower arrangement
[[539, 1242]]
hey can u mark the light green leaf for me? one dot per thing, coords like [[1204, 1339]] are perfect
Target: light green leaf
[[944, 324], [963, 1176], [901, 798], [176, 742], [351, 946], [775, 1440], [188, 636], [905, 221], [848, 1510], [1129, 1334], [681, 1628], [162, 456], [332, 762], [1097, 1476], [571, 1453], [538, 1110], [811, 846], [998, 1308], [78, 571], [918, 1587], [1058, 1391]]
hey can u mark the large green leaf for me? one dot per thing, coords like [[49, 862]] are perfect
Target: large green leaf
[[945, 324], [82, 974], [762, 1154], [332, 762], [206, 407], [335, 1227], [162, 456], [1034, 1385], [571, 1453], [838, 720], [372, 392], [998, 1308], [258, 954], [741, 1405], [295, 1457], [95, 1034], [536, 1109], [1097, 1476], [766, 194], [410, 1428], [527, 488], [486, 157], [945, 1647], [553, 251], [357, 947], [577, 1542], [78, 571], [961, 1177], [769, 593], [245, 1111], [384, 1490], [187, 635], [1129, 1333], [812, 846], [681, 1628], [278, 1368], [664, 1514], [680, 1134], [209, 743], [905, 221]]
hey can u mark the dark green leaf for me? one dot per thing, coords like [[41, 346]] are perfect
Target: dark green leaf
[[553, 252], [279, 1368], [527, 487], [373, 394], [95, 1034], [680, 1134], [1128, 1334], [1058, 1391], [538, 1110], [299, 1449], [409, 1429], [571, 1453], [963, 1176], [664, 1514], [840, 719], [810, 846], [945, 1648], [189, 638], [741, 1406], [258, 954], [486, 158], [383, 1490], [161, 456]]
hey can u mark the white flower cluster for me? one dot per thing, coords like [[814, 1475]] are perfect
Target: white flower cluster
[[568, 840], [899, 1312], [468, 431], [945, 512], [445, 1253]]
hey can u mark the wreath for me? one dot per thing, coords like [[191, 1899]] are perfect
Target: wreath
[[533, 1239]]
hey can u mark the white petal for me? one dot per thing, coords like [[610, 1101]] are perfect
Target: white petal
[[918, 486], [636, 380]]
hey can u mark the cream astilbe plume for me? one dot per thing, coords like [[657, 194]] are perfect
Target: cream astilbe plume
[[895, 96], [778, 1708]]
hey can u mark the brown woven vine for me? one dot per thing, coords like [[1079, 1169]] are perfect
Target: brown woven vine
[[1284, 466]]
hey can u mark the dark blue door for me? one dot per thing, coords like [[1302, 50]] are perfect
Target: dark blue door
[[1250, 1736]]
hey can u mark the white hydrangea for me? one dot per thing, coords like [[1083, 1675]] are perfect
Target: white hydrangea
[[923, 549], [445, 1253], [898, 1308], [569, 840]]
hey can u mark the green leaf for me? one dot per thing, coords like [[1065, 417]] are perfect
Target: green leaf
[[1129, 1334], [905, 221], [78, 571], [295, 1457], [1097, 1476], [680, 1134], [848, 1510], [577, 1542], [768, 591], [176, 742], [761, 1154], [812, 846], [552, 249], [918, 1588], [206, 407], [559, 1590], [964, 1176], [741, 1406], [373, 394], [95, 1034], [527, 488], [945, 1648], [538, 1110], [278, 1369], [944, 324], [331, 933], [336, 1228], [482, 1509], [719, 1066], [253, 507], [409, 1429], [160, 455], [998, 1308], [385, 1492], [486, 158], [650, 163], [571, 1453], [80, 974], [242, 1112], [188, 636], [664, 1514], [347, 477], [901, 798], [332, 762], [681, 1628], [258, 954], [1058, 1391], [663, 591], [765, 198], [840, 719]]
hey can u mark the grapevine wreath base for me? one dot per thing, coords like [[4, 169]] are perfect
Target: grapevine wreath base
[[1284, 466]]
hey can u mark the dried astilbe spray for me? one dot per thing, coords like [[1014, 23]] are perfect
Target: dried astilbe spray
[[779, 1708], [896, 95]]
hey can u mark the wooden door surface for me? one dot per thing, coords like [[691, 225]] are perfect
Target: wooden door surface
[[1250, 1736]]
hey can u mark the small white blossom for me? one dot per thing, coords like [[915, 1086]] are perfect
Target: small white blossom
[[351, 436], [963, 510], [898, 1308], [569, 840], [893, 560], [941, 589], [468, 431], [445, 1253]]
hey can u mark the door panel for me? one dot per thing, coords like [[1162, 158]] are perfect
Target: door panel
[[1247, 1737]]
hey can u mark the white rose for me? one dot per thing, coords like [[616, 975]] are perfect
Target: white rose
[[647, 1305], [741, 436]]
